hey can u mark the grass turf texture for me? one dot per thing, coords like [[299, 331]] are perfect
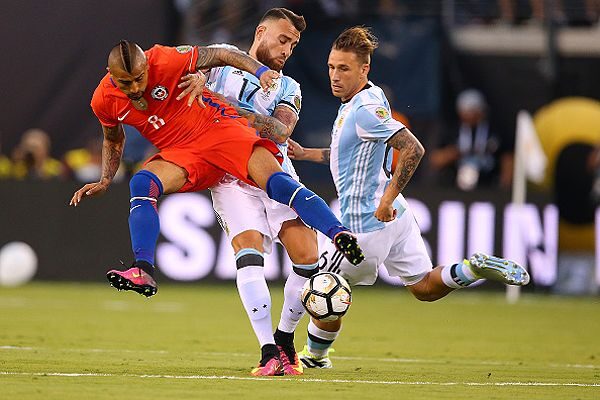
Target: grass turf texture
[[196, 342]]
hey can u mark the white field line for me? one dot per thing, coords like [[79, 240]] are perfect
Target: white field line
[[335, 357], [312, 380]]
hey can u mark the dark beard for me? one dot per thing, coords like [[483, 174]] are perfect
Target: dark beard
[[262, 54]]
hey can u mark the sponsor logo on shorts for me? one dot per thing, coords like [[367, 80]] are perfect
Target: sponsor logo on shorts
[[159, 93]]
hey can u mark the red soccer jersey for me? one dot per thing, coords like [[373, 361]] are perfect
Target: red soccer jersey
[[167, 122], [206, 142]]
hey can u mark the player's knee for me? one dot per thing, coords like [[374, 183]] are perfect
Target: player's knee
[[249, 257], [422, 292], [248, 240], [425, 296], [145, 184]]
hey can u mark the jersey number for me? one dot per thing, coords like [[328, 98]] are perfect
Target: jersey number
[[156, 122], [252, 93]]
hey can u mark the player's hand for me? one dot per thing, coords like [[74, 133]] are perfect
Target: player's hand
[[89, 190], [385, 212], [295, 151], [193, 85], [268, 78]]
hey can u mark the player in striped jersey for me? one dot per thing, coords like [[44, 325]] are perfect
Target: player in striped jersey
[[250, 219], [370, 195]]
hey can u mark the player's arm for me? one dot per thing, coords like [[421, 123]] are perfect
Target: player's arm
[[267, 126], [112, 150], [277, 127], [209, 57], [410, 153], [297, 152]]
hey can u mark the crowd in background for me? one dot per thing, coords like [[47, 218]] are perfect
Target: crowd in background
[[471, 153], [232, 21]]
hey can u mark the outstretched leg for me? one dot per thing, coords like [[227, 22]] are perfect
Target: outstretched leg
[[281, 187]]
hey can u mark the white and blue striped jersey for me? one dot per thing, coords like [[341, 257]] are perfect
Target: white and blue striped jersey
[[358, 147], [243, 89]]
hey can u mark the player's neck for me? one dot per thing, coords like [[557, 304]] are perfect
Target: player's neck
[[252, 52], [362, 86]]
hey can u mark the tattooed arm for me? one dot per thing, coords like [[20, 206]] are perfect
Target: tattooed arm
[[268, 127], [410, 152], [209, 57], [297, 152], [278, 127], [112, 150]]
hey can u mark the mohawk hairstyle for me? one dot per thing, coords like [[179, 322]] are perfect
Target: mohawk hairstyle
[[358, 40], [125, 46], [283, 13]]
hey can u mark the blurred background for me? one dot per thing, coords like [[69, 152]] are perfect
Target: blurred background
[[465, 75]]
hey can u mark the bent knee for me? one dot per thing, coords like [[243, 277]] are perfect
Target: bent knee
[[248, 240], [422, 291]]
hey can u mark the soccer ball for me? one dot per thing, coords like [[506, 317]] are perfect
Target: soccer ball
[[326, 296]]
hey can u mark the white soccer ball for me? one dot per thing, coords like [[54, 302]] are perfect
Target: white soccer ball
[[326, 296], [18, 264]]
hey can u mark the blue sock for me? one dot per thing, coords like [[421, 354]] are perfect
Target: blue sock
[[282, 188], [144, 227]]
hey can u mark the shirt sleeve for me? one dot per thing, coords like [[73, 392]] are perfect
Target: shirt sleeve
[[102, 110], [292, 96], [374, 122], [180, 58]]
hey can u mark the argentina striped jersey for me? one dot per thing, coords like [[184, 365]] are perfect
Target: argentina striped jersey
[[358, 146], [243, 89]]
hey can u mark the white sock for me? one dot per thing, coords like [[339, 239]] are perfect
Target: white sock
[[319, 341], [292, 310], [256, 299], [458, 275]]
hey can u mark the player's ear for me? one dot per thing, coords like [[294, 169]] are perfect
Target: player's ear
[[365, 69], [259, 32]]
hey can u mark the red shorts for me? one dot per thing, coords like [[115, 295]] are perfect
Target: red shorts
[[225, 147]]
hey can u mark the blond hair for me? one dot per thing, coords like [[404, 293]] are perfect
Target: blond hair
[[358, 40]]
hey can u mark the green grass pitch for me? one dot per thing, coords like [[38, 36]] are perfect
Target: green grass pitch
[[88, 341]]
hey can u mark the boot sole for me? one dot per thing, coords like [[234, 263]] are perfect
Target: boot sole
[[121, 283]]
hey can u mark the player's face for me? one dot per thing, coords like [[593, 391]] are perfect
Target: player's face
[[347, 74], [132, 84], [276, 42]]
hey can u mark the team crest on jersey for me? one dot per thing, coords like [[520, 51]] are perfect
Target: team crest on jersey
[[382, 113], [340, 121], [298, 102], [159, 93], [183, 49]]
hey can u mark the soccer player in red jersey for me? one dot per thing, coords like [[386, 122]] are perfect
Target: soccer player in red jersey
[[197, 145]]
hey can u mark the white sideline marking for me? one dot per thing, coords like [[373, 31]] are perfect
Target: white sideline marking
[[315, 380], [345, 358]]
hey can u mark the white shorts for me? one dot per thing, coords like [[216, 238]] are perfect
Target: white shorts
[[241, 207], [398, 246]]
